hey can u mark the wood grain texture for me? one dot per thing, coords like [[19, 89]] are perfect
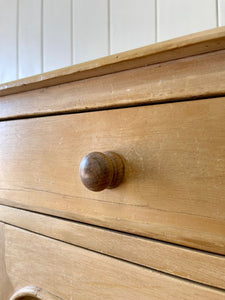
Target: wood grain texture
[[6, 288], [74, 273], [180, 261], [194, 44], [193, 77], [174, 183]]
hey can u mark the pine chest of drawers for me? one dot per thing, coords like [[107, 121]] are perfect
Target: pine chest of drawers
[[151, 125]]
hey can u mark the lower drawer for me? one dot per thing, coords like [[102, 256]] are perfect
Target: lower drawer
[[174, 160], [56, 270]]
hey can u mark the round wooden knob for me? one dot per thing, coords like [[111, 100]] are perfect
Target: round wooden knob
[[99, 171]]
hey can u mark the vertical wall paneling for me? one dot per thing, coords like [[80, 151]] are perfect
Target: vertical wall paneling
[[221, 12], [132, 24], [8, 38], [177, 18], [29, 37], [90, 29], [56, 34]]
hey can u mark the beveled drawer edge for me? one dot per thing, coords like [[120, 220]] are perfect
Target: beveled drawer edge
[[192, 44], [196, 77], [157, 255]]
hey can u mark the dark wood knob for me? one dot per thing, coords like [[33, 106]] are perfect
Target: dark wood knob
[[99, 171]]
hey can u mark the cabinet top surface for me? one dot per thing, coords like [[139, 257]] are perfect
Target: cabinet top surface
[[190, 45]]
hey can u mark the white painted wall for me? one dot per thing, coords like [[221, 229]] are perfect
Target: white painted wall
[[41, 35]]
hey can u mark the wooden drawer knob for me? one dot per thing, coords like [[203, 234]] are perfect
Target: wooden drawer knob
[[99, 171]]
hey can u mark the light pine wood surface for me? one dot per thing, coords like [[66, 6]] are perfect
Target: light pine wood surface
[[161, 233], [193, 44], [71, 272], [174, 169], [195, 265], [6, 288], [199, 76]]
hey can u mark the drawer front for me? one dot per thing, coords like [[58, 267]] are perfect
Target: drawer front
[[174, 157], [69, 272], [157, 255]]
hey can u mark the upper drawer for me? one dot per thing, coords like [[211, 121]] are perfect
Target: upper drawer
[[174, 156]]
